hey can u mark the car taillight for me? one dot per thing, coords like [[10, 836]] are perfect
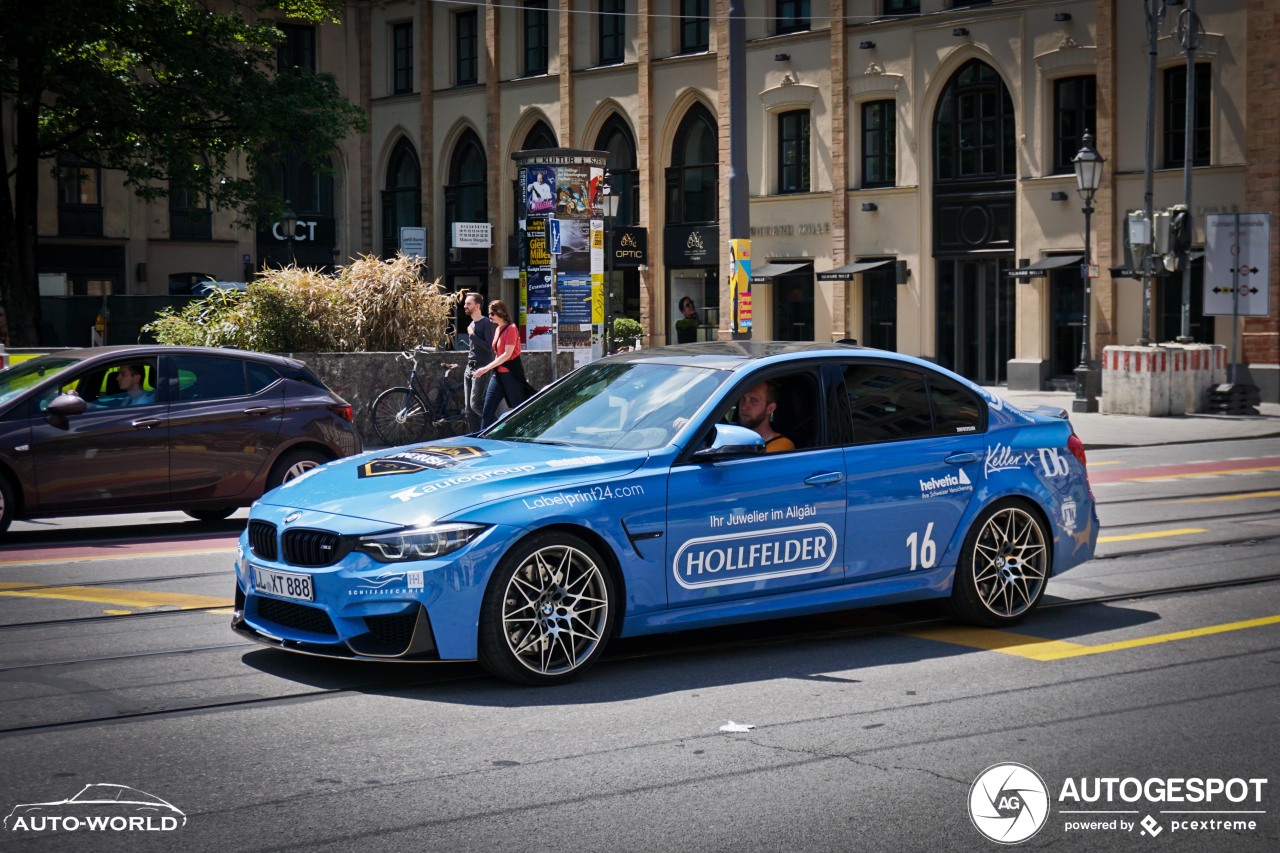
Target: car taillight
[[344, 412], [1076, 446]]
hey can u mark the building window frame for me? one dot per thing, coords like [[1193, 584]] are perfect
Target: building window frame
[[792, 16], [693, 179], [1075, 110], [611, 32], [79, 197], [190, 216], [297, 49], [401, 195], [695, 26], [466, 47], [1174, 101], [893, 8], [536, 23], [402, 58], [794, 151], [879, 124]]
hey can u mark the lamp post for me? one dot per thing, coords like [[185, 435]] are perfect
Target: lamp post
[[610, 204], [289, 221], [1088, 164]]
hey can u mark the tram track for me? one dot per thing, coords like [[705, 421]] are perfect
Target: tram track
[[893, 626]]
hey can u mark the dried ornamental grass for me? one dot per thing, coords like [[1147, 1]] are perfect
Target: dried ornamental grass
[[371, 305]]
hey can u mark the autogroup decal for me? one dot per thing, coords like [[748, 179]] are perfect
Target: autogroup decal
[[425, 458], [754, 555]]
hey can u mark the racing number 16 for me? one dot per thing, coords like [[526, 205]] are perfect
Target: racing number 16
[[926, 549]]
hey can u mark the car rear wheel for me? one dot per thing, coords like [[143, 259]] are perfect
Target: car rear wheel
[[548, 612], [294, 464], [210, 514], [1003, 568], [399, 417], [7, 505]]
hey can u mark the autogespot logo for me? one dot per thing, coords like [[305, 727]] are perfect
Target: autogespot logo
[[1009, 803]]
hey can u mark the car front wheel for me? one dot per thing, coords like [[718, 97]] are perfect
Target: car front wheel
[[1003, 568], [548, 612], [7, 505]]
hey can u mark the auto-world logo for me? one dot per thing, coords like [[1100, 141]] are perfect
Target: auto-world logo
[[1009, 803], [100, 807]]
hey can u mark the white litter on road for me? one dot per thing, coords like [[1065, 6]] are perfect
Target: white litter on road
[[737, 727]]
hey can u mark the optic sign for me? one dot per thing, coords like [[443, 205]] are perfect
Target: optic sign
[[1237, 256], [303, 232]]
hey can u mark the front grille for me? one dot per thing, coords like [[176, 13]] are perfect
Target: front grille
[[299, 617], [262, 539], [311, 547], [395, 630]]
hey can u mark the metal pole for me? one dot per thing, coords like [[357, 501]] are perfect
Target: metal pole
[[739, 188], [1086, 400], [1155, 14], [1235, 306], [555, 312], [1189, 35]]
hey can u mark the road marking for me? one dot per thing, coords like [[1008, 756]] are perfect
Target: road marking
[[109, 595], [1151, 473], [1152, 534], [1241, 497], [113, 550], [1038, 648]]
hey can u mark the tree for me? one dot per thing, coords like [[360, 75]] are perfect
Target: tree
[[177, 96]]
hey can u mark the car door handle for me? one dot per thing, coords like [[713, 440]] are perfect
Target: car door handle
[[962, 458], [258, 410], [824, 479], [147, 423]]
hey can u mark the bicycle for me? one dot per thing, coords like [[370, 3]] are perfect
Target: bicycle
[[405, 414]]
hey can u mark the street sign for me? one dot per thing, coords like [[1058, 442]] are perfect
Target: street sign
[[555, 236], [413, 241], [1237, 261]]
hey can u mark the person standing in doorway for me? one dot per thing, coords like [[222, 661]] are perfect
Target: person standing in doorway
[[479, 352]]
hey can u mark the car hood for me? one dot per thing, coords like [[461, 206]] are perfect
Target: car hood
[[418, 484]]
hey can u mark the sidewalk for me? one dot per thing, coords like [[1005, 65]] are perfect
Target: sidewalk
[[1099, 431]]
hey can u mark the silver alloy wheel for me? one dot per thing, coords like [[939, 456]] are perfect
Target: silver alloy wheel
[[299, 468], [1010, 562], [554, 610]]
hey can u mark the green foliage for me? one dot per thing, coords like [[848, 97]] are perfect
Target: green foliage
[[175, 95], [624, 328], [371, 305]]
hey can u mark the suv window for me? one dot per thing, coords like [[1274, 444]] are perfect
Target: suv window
[[209, 378]]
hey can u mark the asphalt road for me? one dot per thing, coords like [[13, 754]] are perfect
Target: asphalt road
[[867, 730]]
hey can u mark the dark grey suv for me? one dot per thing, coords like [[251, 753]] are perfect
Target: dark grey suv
[[143, 428]]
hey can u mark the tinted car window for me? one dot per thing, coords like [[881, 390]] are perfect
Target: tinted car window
[[205, 378], [260, 376], [887, 403], [955, 408]]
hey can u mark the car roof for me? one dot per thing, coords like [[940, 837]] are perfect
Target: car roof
[[145, 350], [737, 355]]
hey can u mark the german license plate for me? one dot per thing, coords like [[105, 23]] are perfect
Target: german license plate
[[283, 584]]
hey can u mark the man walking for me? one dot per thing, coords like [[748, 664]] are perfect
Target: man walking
[[479, 353]]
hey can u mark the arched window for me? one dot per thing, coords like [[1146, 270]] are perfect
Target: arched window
[[401, 199], [308, 192], [624, 178], [693, 196], [974, 129], [466, 194], [540, 136]]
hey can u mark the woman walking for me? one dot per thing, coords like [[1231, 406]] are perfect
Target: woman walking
[[509, 381]]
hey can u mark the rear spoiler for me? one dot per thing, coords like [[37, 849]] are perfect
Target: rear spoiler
[[1049, 412]]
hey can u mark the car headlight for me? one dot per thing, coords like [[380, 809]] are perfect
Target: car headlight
[[418, 544]]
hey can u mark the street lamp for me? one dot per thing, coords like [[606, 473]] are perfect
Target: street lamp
[[289, 221], [1088, 164], [610, 203]]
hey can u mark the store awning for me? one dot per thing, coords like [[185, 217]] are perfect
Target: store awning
[[848, 271], [765, 273], [1040, 267]]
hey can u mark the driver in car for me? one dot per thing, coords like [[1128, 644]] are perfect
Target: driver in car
[[755, 411]]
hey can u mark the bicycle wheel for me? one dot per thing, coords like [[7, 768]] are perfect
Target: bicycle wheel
[[399, 417]]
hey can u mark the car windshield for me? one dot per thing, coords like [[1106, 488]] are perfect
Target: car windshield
[[613, 404], [24, 374]]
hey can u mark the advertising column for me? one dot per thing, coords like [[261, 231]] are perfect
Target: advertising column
[[562, 281]]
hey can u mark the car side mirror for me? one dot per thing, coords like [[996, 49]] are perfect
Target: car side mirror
[[729, 441], [66, 404]]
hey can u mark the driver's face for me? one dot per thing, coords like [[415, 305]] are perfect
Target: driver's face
[[127, 378], [753, 408]]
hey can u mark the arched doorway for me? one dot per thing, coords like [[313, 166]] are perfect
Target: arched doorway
[[974, 229], [622, 290], [401, 198], [466, 200], [691, 236]]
